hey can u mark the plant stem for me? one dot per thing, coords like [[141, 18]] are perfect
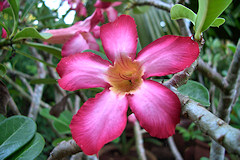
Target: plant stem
[[139, 141]]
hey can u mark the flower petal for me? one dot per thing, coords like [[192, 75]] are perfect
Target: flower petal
[[157, 109], [4, 33], [91, 41], [168, 54], [76, 44], [112, 14], [99, 121], [82, 70], [119, 37]]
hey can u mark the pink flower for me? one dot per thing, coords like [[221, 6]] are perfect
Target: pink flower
[[103, 118], [4, 4], [78, 6], [4, 33], [108, 7], [77, 38]]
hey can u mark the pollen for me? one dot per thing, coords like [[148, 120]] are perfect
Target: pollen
[[125, 76]]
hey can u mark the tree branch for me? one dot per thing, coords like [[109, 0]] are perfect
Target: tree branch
[[174, 149], [212, 74], [211, 125], [226, 100], [158, 4], [65, 148], [139, 141]]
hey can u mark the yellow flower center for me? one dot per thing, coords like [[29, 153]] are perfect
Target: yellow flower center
[[125, 76]]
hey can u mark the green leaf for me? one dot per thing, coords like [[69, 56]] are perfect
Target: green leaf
[[232, 47], [195, 91], [16, 131], [59, 140], [31, 150], [218, 22], [14, 4], [140, 9], [103, 55], [43, 81], [5, 27], [3, 70], [2, 118], [30, 32], [36, 59], [28, 5], [50, 49], [61, 124], [179, 11], [208, 11]]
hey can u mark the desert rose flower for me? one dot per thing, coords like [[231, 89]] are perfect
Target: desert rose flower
[[4, 4], [78, 37], [124, 79], [107, 7]]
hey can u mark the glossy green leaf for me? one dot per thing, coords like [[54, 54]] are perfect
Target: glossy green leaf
[[3, 70], [31, 150], [2, 118], [61, 124], [195, 91], [14, 4], [43, 81], [208, 11], [16, 131], [28, 5], [50, 49], [36, 59], [30, 32], [59, 140], [218, 22], [179, 11]]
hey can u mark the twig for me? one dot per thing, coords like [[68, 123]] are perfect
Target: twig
[[22, 92], [154, 3], [174, 149], [27, 85], [212, 74], [13, 107], [139, 141], [38, 90], [226, 100], [65, 148]]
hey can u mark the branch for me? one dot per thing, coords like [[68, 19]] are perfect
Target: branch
[[139, 141], [174, 149], [38, 90], [212, 74], [226, 100], [211, 125], [22, 92], [13, 107], [158, 4], [65, 148]]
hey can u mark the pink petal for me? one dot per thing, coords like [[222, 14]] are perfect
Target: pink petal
[[96, 32], [119, 38], [82, 70], [76, 44], [4, 33], [112, 14], [117, 3], [157, 108], [91, 41], [60, 36], [168, 54], [81, 10], [99, 121], [101, 4]]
